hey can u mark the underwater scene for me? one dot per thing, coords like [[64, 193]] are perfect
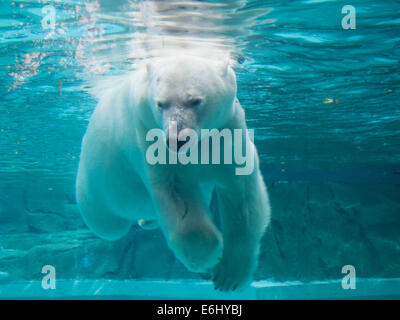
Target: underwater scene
[[308, 206]]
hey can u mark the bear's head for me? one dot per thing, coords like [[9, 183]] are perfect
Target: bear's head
[[188, 92]]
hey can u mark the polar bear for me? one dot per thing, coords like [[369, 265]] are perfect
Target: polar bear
[[116, 185]]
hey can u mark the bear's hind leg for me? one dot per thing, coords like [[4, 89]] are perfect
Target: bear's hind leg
[[100, 219]]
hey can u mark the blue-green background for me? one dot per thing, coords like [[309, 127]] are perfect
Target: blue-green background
[[324, 103]]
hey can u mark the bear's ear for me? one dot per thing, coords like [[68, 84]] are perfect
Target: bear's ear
[[149, 69], [224, 67]]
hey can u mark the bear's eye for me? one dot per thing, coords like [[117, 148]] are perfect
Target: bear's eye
[[195, 102], [160, 105]]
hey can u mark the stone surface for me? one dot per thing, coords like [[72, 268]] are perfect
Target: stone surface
[[315, 230]]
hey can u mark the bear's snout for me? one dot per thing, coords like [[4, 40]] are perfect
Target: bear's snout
[[178, 135]]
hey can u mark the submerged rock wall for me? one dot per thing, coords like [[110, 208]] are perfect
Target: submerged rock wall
[[315, 230]]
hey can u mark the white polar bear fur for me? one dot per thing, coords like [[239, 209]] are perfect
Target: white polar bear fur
[[116, 186]]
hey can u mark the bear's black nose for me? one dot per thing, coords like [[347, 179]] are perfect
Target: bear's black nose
[[180, 144]]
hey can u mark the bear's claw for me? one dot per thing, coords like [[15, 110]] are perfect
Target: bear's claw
[[232, 274]]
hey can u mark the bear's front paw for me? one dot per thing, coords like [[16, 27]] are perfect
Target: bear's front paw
[[235, 270], [198, 250]]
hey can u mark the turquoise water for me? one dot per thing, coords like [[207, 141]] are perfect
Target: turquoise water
[[324, 103]]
